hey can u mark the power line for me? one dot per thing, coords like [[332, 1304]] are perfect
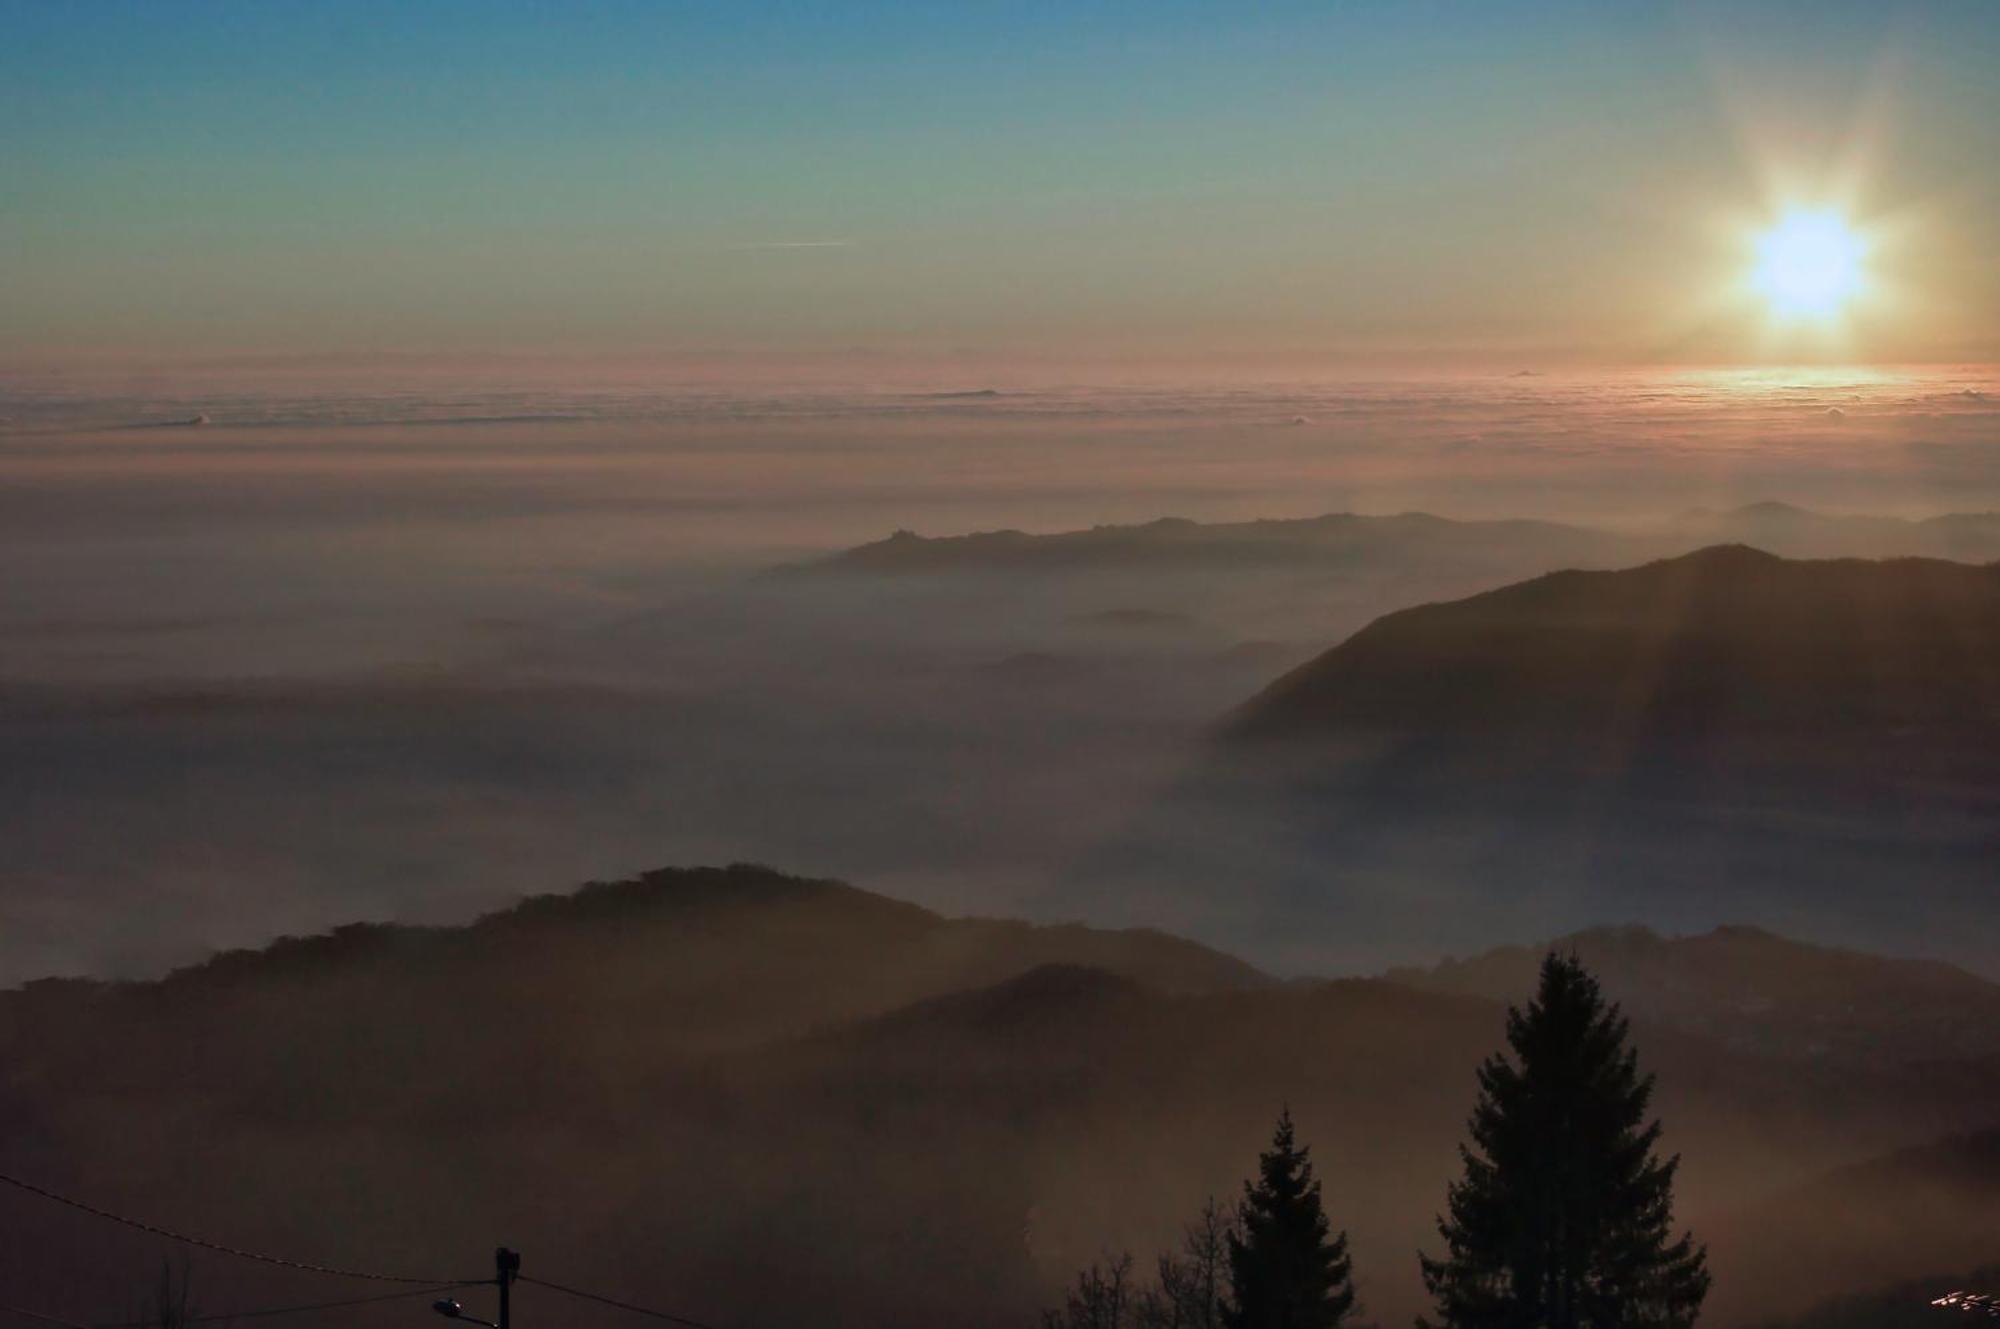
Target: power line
[[668, 1316], [219, 1248], [267, 1311], [419, 1286], [45, 1319], [260, 1313]]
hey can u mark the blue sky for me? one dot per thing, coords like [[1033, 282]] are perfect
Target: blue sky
[[1339, 178]]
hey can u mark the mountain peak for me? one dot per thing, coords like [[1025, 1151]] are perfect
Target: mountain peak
[[1727, 641], [1736, 554]]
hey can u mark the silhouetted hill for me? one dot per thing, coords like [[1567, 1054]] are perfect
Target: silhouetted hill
[[760, 1099], [1725, 644], [1755, 991], [677, 960], [1812, 747]]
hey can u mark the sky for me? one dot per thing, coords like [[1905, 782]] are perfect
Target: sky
[[1370, 181]]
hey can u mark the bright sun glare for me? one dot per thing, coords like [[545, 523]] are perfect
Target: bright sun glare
[[1809, 264]]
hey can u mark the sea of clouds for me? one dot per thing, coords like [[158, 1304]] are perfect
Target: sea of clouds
[[280, 651]]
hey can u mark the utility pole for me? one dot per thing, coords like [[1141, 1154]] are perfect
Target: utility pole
[[506, 1265], [506, 1268]]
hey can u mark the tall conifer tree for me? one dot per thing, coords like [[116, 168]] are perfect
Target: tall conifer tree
[[1564, 1216], [1286, 1270]]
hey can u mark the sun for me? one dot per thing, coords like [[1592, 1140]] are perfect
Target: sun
[[1809, 264]]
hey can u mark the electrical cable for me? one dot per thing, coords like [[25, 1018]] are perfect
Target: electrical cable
[[45, 1319], [668, 1316], [268, 1311], [303, 1265]]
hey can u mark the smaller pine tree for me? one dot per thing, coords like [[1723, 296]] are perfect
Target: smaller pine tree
[[1287, 1270]]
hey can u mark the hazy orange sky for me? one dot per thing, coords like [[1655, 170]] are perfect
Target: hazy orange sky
[[1369, 180]]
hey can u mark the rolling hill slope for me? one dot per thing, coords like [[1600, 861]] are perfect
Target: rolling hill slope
[[762, 1099]]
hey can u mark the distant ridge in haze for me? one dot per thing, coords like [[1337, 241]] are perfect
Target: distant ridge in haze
[[1753, 990], [1343, 537], [1178, 542]]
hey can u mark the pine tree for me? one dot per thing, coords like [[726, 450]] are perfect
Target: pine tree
[[1563, 1219], [1285, 1270]]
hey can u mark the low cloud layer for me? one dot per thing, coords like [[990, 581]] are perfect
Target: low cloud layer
[[406, 655]]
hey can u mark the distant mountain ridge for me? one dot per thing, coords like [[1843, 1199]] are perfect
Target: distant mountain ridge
[[1753, 990], [1334, 538], [1179, 542]]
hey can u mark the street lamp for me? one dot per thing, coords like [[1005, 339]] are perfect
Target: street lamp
[[506, 1268], [451, 1310]]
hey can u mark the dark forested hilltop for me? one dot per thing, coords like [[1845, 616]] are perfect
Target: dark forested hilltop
[[764, 1099], [706, 957]]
